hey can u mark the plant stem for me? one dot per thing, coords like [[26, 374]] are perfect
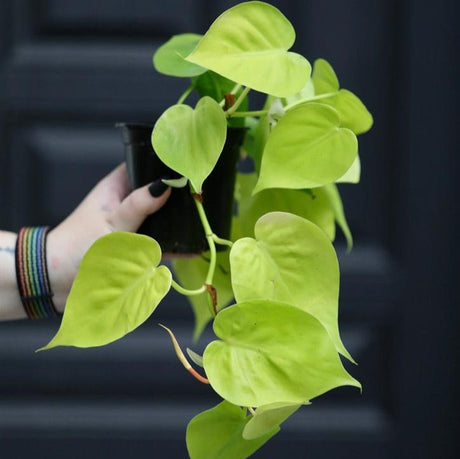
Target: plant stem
[[209, 236], [238, 102], [183, 359], [235, 89], [220, 241], [185, 94], [244, 114], [311, 99], [186, 291], [213, 257]]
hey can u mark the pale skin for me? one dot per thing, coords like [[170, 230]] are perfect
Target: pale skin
[[107, 208]]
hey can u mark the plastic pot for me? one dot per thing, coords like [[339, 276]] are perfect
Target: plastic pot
[[176, 226]]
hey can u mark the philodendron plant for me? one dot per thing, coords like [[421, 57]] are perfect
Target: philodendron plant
[[272, 292]]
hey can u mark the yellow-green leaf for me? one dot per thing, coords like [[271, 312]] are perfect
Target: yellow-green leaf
[[313, 206], [249, 44], [118, 286], [191, 141], [308, 148], [271, 352], [217, 434], [290, 260], [169, 58], [335, 200], [266, 418]]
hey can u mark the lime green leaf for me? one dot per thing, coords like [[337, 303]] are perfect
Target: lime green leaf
[[176, 183], [353, 174], [292, 261], [191, 273], [217, 434], [271, 352], [169, 58], [336, 203], [314, 207], [249, 44], [117, 288], [307, 92], [353, 113], [307, 149], [267, 418], [191, 141], [197, 359], [324, 78]]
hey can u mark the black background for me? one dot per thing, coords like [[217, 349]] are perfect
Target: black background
[[70, 69]]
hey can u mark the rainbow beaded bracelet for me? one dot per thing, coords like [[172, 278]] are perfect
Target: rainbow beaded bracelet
[[32, 273]]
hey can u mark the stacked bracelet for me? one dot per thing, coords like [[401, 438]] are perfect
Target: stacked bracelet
[[32, 273]]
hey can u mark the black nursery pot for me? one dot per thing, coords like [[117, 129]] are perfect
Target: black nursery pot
[[176, 226]]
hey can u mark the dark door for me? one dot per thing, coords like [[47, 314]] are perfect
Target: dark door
[[71, 69]]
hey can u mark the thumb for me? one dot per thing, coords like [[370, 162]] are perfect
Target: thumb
[[139, 204]]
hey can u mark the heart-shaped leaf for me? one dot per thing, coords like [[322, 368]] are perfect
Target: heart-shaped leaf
[[324, 87], [308, 148], [271, 352], [324, 78], [249, 44], [267, 418], [353, 113], [292, 261], [117, 288], [353, 174], [217, 434], [169, 58], [191, 273], [191, 141], [314, 206]]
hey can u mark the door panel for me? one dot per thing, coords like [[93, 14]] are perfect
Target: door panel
[[69, 71]]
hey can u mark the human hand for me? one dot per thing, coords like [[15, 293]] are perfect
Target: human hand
[[108, 207]]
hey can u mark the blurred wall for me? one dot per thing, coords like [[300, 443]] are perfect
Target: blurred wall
[[69, 70]]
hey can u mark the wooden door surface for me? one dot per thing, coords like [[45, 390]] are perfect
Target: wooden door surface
[[71, 69]]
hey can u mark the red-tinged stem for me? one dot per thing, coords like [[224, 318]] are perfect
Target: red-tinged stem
[[183, 359], [197, 375]]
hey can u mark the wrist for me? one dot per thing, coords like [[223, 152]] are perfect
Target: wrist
[[59, 270], [32, 273]]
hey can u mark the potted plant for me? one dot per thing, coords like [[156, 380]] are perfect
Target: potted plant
[[272, 293], [166, 225]]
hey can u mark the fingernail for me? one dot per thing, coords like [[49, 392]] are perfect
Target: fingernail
[[157, 188]]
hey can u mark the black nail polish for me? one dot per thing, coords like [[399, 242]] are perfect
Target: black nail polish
[[157, 188]]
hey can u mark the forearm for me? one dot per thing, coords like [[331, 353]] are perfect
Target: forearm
[[108, 207], [10, 301]]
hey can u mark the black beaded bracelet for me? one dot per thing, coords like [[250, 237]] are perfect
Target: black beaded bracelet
[[32, 273]]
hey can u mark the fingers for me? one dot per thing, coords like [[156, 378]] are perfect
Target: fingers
[[117, 182], [133, 210]]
